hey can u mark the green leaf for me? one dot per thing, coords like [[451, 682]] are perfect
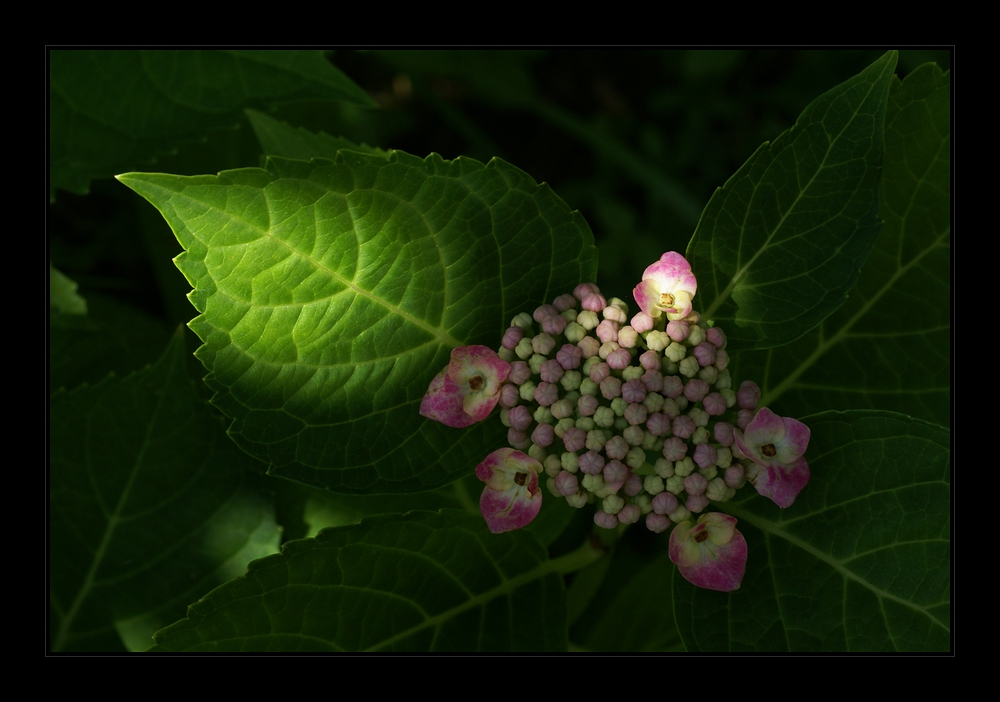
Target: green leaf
[[889, 347], [279, 138], [332, 292], [63, 295], [112, 111], [148, 506], [418, 582], [781, 244], [860, 562]]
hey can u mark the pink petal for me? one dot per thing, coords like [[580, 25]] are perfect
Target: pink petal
[[780, 483], [468, 389], [444, 403], [705, 563], [511, 498]]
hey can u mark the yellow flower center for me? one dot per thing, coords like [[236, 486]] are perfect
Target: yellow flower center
[[476, 383], [768, 451], [666, 299]]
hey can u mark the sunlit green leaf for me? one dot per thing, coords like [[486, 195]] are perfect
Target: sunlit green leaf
[[889, 346], [419, 582], [113, 111], [332, 292], [860, 562], [148, 506], [779, 247]]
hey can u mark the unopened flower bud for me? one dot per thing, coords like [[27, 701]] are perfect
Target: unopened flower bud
[[611, 388], [633, 485], [566, 484], [718, 491], [614, 314], [676, 352], [619, 359], [509, 395], [543, 435], [584, 289], [543, 344], [714, 404], [546, 393], [571, 380], [613, 503], [680, 514], [688, 366], [705, 353], [744, 418], [657, 340], [672, 386], [635, 458], [683, 426], [653, 402], [543, 311], [535, 363], [587, 405], [518, 439], [705, 455], [570, 462], [678, 330], [627, 337], [578, 500], [522, 320], [543, 415], [604, 417], [657, 523], [605, 520], [589, 347], [633, 391], [616, 448], [520, 418], [537, 452], [696, 336], [574, 333], [607, 348], [698, 416], [642, 322], [674, 449], [695, 390], [709, 374], [724, 457], [735, 476], [591, 463], [511, 337], [653, 484], [716, 336], [663, 468], [523, 349], [594, 302], [674, 484], [696, 503], [664, 503], [748, 395], [575, 439], [588, 320], [684, 467], [695, 484], [551, 371], [554, 325], [629, 514]]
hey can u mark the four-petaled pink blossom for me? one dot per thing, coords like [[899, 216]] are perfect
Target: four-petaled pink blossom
[[668, 287], [775, 445], [511, 498], [711, 554], [468, 389]]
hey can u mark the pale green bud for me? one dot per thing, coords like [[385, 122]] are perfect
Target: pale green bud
[[527, 391], [674, 484], [718, 491], [535, 363], [537, 452], [681, 402], [709, 374], [612, 504], [700, 436], [649, 441], [522, 320], [562, 408], [585, 423], [681, 514], [724, 381], [619, 303], [589, 387], [578, 500], [688, 366], [645, 503], [618, 406], [663, 468], [632, 373], [653, 402], [588, 320], [724, 457], [728, 395], [506, 354], [606, 349], [570, 315], [627, 337], [657, 340], [633, 435], [573, 396], [543, 415], [553, 465], [523, 349], [696, 335], [698, 416], [604, 417], [635, 457], [570, 462], [653, 484], [551, 485], [505, 416], [684, 467], [596, 440], [593, 483], [574, 332], [590, 363], [709, 472], [571, 380], [675, 352]]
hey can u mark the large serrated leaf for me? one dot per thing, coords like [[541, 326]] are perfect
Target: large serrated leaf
[[113, 111], [860, 562], [148, 506], [780, 245], [418, 582], [889, 346], [332, 292]]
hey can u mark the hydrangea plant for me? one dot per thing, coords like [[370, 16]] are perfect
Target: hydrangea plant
[[424, 419]]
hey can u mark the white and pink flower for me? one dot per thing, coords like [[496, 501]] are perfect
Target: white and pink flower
[[668, 287], [776, 446], [468, 389], [511, 498], [711, 554]]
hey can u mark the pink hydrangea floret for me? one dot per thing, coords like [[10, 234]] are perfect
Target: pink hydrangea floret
[[711, 554], [776, 446], [668, 287], [468, 389], [511, 498]]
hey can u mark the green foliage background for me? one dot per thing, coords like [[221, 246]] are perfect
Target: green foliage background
[[153, 505]]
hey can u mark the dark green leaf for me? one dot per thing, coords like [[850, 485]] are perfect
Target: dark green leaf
[[148, 507], [889, 346], [419, 582], [860, 562], [112, 111], [331, 293], [781, 244], [63, 296], [279, 138]]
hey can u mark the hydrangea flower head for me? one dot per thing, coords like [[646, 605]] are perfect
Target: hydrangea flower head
[[511, 498], [668, 287], [468, 389], [711, 554], [775, 445]]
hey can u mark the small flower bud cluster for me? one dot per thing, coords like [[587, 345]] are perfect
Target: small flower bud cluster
[[636, 415]]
